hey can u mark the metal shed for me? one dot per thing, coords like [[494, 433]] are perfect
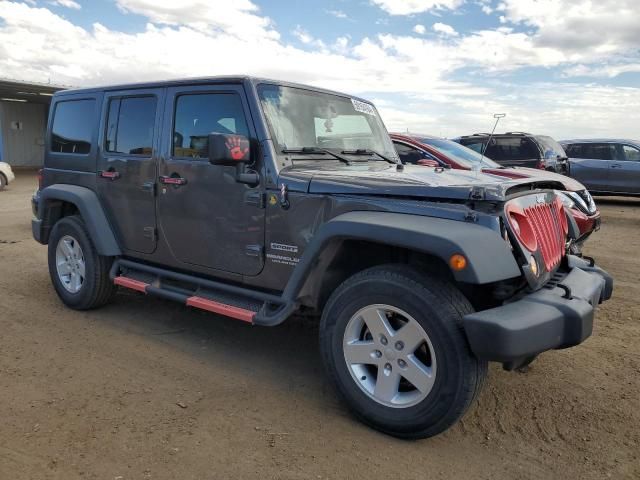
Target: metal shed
[[24, 107]]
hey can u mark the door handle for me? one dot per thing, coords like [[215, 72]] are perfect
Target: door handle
[[616, 165], [109, 174], [177, 181]]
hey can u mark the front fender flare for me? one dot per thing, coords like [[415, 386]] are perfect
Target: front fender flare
[[489, 257], [88, 204]]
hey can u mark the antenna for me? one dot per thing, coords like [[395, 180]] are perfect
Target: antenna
[[497, 116]]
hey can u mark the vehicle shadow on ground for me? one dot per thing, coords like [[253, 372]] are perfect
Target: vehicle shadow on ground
[[619, 201], [281, 355]]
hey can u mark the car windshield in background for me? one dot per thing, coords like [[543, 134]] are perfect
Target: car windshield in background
[[307, 119], [459, 153], [550, 147]]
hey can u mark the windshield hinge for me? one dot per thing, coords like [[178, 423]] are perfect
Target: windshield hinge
[[477, 193]]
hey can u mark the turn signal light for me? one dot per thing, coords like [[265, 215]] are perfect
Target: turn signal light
[[457, 262]]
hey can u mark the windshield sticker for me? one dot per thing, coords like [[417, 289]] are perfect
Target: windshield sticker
[[363, 107]]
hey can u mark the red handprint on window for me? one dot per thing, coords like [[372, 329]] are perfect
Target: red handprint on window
[[238, 147]]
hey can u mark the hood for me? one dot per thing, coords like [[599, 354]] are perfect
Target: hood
[[569, 183], [380, 178]]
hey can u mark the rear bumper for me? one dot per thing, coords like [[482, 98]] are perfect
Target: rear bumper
[[36, 223], [550, 318]]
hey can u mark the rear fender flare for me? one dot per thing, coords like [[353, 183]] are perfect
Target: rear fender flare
[[88, 204]]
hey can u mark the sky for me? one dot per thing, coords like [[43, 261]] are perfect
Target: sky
[[565, 68]]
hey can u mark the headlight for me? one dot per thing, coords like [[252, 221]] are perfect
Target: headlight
[[590, 201], [582, 200], [567, 199]]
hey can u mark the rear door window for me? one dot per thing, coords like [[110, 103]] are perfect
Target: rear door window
[[599, 151], [72, 128], [130, 125]]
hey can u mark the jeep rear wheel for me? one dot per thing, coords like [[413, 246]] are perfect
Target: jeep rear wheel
[[393, 344], [79, 275]]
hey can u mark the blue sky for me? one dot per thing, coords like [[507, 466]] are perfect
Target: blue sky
[[568, 68]]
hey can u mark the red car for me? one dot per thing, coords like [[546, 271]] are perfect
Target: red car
[[439, 152]]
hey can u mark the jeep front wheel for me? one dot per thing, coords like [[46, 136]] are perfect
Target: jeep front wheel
[[393, 344], [79, 275]]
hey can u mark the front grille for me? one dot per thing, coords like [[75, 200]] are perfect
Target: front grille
[[545, 221]]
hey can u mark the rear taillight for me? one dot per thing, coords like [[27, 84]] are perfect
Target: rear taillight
[[40, 177], [540, 165]]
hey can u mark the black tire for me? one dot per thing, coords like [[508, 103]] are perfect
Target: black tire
[[438, 307], [97, 289], [3, 181]]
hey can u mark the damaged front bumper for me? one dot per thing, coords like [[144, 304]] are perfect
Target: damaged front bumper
[[560, 315]]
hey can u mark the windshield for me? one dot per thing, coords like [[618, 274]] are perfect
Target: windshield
[[459, 153], [301, 118]]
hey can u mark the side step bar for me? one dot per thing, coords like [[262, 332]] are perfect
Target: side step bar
[[251, 306]]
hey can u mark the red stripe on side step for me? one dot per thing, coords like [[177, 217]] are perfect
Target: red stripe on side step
[[131, 283], [221, 308]]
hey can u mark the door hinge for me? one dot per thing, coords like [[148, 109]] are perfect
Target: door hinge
[[150, 187], [253, 250], [150, 233], [257, 199]]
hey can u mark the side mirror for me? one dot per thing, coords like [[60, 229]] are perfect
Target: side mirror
[[427, 162], [228, 149]]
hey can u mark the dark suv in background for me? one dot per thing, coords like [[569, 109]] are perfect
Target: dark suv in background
[[518, 149], [606, 166]]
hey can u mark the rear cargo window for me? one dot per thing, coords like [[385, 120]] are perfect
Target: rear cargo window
[[550, 147], [130, 125], [72, 127], [198, 115]]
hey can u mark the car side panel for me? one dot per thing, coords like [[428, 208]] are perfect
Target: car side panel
[[624, 174]]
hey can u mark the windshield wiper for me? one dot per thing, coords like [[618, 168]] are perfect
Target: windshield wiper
[[315, 150], [366, 151]]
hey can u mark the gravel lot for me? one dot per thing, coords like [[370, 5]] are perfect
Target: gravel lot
[[145, 388]]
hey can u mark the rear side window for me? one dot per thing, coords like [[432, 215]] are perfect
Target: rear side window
[[513, 148], [72, 128], [130, 125], [198, 115], [594, 151]]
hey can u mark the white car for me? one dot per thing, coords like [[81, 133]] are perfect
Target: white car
[[6, 175]]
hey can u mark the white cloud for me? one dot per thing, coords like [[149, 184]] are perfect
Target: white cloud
[[239, 18], [65, 3], [36, 44], [445, 29], [576, 25], [337, 13], [408, 7], [560, 110], [420, 29]]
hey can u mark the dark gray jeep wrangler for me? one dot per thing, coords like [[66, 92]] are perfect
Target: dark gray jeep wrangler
[[258, 200]]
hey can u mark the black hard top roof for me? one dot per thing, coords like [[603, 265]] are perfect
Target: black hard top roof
[[239, 79]]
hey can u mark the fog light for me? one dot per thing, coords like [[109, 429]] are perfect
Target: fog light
[[533, 265], [458, 262]]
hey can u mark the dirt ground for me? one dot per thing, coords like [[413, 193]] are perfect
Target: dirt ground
[[145, 388]]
